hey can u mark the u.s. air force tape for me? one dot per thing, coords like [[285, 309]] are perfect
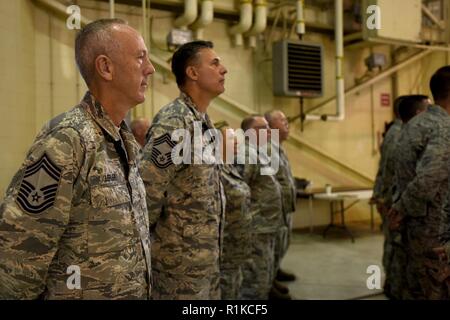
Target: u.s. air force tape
[[39, 186], [162, 151]]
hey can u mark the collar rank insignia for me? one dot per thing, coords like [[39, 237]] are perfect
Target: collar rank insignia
[[162, 151], [39, 186]]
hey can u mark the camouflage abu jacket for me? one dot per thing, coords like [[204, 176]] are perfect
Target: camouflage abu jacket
[[76, 207], [185, 205]]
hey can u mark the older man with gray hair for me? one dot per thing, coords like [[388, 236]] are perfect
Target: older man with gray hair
[[74, 220], [278, 120]]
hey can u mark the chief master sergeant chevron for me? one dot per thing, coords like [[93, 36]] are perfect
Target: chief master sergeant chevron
[[77, 201]]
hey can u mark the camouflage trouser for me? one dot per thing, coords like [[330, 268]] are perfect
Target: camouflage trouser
[[281, 245], [171, 286], [387, 248], [422, 282], [231, 282], [287, 240], [394, 262], [396, 270], [258, 271]]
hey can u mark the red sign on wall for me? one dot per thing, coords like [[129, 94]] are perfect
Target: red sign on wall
[[385, 100]]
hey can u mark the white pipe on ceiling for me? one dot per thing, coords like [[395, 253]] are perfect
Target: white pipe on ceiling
[[111, 9], [340, 89], [260, 21], [60, 8], [205, 18], [300, 20], [245, 23], [189, 16]]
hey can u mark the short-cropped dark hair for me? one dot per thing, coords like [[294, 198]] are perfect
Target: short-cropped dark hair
[[248, 121], [185, 56], [440, 83], [411, 105]]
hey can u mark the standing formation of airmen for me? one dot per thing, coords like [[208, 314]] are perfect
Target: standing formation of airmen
[[138, 223], [412, 195], [92, 215]]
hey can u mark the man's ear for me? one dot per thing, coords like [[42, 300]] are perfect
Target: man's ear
[[191, 73], [104, 67]]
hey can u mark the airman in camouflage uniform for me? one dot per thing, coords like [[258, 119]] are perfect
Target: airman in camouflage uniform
[[277, 120], [185, 200], [77, 200], [266, 212], [73, 224], [395, 257], [421, 186], [382, 196], [443, 252], [237, 232]]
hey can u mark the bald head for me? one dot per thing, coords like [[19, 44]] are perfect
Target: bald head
[[277, 120], [139, 127], [96, 38]]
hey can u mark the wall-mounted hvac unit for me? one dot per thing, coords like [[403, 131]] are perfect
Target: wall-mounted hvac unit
[[297, 69]]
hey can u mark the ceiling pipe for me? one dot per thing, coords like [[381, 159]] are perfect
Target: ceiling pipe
[[340, 89], [260, 23], [245, 23], [300, 19], [60, 9], [205, 18], [111, 9], [189, 16]]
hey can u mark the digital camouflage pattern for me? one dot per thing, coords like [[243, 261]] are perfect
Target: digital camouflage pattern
[[421, 187], [185, 206], [266, 199], [77, 200], [382, 190], [393, 263], [237, 233], [258, 271], [286, 180], [267, 219]]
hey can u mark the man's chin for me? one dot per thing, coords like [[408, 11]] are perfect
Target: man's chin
[[140, 99]]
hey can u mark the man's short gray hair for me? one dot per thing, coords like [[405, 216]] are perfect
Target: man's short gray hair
[[93, 40]]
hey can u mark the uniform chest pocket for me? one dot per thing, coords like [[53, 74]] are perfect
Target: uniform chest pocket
[[111, 224], [109, 195]]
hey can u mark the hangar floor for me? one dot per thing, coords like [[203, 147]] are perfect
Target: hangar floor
[[334, 268]]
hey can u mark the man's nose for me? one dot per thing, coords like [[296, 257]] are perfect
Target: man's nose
[[224, 70], [150, 69]]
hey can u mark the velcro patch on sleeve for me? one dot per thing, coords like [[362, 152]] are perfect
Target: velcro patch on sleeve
[[162, 151], [39, 186]]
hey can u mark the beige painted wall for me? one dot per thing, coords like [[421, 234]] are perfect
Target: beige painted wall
[[17, 85], [40, 80]]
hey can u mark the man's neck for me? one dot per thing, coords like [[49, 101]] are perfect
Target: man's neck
[[444, 105], [116, 110], [200, 99]]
